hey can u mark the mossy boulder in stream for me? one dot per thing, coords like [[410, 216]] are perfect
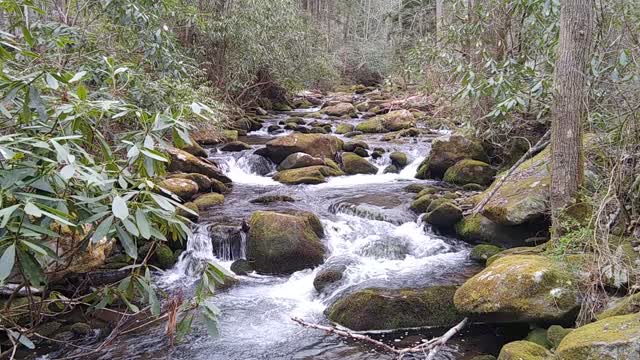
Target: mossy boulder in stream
[[328, 277], [383, 309], [203, 181], [194, 149], [182, 161], [422, 203], [399, 159], [481, 253], [185, 189], [476, 229], [469, 171], [614, 338], [444, 215], [341, 109], [521, 288], [355, 164], [398, 120], [344, 128], [192, 215], [446, 151], [317, 145], [207, 201], [306, 175], [281, 243], [163, 257], [299, 160], [523, 350]]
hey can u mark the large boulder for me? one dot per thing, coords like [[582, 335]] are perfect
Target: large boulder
[[307, 175], [212, 136], [204, 183], [344, 128], [317, 145], [185, 189], [476, 229], [182, 161], [383, 309], [524, 197], [340, 109], [523, 350], [469, 171], [299, 160], [372, 126], [398, 120], [446, 151], [614, 338], [235, 146], [355, 164], [444, 215], [194, 149], [207, 201], [521, 288], [627, 305], [284, 243]]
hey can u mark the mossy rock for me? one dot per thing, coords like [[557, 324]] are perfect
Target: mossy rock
[[484, 357], [425, 191], [351, 146], [398, 120], [235, 146], [399, 159], [81, 328], [382, 309], [163, 257], [185, 189], [539, 336], [523, 350], [344, 128], [415, 188], [281, 107], [204, 182], [473, 187], [268, 199], [328, 277], [482, 252], [241, 267], [306, 175], [206, 201], [182, 161], [316, 145], [391, 169], [194, 149], [302, 103], [555, 334], [446, 152], [281, 243], [627, 305], [355, 164], [524, 250], [476, 229], [371, 126], [299, 160], [212, 136], [445, 215], [421, 204], [340, 109], [521, 288], [470, 171], [613, 338]]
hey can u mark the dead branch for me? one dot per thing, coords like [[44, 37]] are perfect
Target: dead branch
[[539, 146], [433, 345]]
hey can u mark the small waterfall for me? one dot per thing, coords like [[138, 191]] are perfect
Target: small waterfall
[[199, 252], [229, 242], [241, 171]]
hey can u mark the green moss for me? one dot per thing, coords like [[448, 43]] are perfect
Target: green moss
[[281, 107], [183, 188], [617, 337], [539, 336], [344, 128], [163, 257], [399, 159], [468, 227], [415, 188], [194, 215], [469, 171], [426, 191], [355, 164], [373, 125], [380, 309], [481, 253], [206, 201], [523, 350], [421, 204], [204, 183], [627, 305], [307, 175], [444, 215], [555, 334]]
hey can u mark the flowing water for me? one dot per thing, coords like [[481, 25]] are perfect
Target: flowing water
[[369, 229]]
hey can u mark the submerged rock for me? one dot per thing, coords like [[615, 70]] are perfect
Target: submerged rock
[[328, 277], [268, 199], [617, 337], [521, 288], [446, 151], [281, 243], [316, 145], [470, 172], [382, 309], [306, 175], [355, 164], [523, 350], [241, 267]]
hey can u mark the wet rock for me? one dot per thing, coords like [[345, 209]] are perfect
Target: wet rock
[[362, 107], [444, 215], [318, 130], [306, 175], [299, 160], [521, 288], [422, 203], [245, 125], [204, 183], [182, 161], [472, 187], [163, 257], [301, 103], [281, 107], [446, 151], [470, 171], [361, 152], [555, 334], [295, 120], [482, 252], [302, 129], [340, 109], [484, 357], [382, 309], [194, 215], [523, 350], [391, 169], [235, 146], [226, 239], [241, 267], [194, 149], [388, 248], [351, 146], [183, 188], [282, 243], [355, 164], [371, 126], [476, 229], [268, 199], [415, 188], [317, 145], [617, 337], [399, 159], [206, 201], [328, 277], [353, 134], [219, 187], [273, 128]]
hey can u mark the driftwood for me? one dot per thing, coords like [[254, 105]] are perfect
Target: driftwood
[[539, 146], [432, 346]]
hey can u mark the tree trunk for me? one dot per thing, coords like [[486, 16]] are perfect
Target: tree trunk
[[439, 19], [569, 107]]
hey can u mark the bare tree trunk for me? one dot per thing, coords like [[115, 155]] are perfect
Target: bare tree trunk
[[570, 106], [439, 19]]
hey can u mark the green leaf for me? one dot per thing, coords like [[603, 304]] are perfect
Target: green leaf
[[27, 36], [102, 230], [154, 154], [6, 214], [78, 76], [6, 262], [130, 227], [184, 326], [22, 339], [82, 92], [52, 83], [143, 224], [37, 248], [127, 242], [31, 268], [33, 210], [119, 208]]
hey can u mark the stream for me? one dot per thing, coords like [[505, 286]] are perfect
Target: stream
[[369, 228]]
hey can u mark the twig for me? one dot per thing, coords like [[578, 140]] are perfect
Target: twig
[[539, 146], [433, 345]]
